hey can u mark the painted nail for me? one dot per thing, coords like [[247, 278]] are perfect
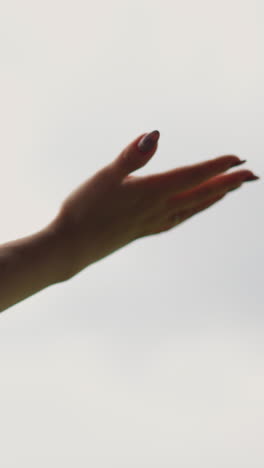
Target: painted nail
[[148, 142], [251, 177], [237, 163]]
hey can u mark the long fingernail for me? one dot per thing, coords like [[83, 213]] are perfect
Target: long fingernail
[[251, 177], [238, 163], [148, 142]]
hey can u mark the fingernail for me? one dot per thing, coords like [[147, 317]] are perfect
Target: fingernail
[[238, 163], [148, 142], [251, 177]]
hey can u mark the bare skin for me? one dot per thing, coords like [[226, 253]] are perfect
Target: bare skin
[[113, 208]]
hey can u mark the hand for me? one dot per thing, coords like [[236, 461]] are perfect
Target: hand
[[112, 208]]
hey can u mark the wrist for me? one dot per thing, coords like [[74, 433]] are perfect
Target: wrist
[[57, 239], [31, 264]]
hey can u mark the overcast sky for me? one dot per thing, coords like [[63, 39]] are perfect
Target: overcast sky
[[154, 356]]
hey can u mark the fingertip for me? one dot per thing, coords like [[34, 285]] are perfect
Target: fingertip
[[148, 142]]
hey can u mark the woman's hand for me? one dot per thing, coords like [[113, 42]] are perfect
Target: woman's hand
[[112, 208]]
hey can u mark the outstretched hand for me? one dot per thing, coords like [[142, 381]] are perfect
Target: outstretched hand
[[112, 208]]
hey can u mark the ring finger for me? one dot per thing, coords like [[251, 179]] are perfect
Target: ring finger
[[216, 186]]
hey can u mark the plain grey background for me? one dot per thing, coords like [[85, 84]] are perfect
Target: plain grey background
[[152, 357]]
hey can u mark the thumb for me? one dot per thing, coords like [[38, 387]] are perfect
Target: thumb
[[137, 153]]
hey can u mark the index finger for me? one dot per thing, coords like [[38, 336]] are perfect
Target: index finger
[[187, 177]]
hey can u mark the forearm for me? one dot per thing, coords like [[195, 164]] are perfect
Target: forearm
[[30, 264]]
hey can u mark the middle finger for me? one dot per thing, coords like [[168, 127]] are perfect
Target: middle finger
[[188, 177], [215, 186]]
